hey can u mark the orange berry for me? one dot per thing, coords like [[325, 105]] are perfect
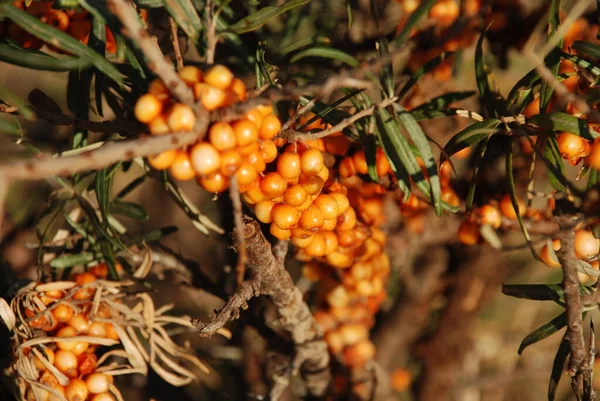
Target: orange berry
[[263, 210], [346, 168], [204, 159], [181, 118], [257, 160], [100, 270], [222, 136], [249, 149], [66, 331], [329, 224], [66, 362], [80, 347], [80, 323], [586, 245], [360, 162], [336, 344], [359, 354], [295, 195], [340, 260], [246, 174], [347, 221], [97, 383], [265, 109], [111, 333], [313, 185], [311, 161], [84, 293], [445, 12], [190, 75], [219, 76], [352, 333], [268, 151], [210, 97], [87, 363], [401, 379], [273, 185], [269, 127], [48, 356], [381, 163], [288, 165], [488, 214], [159, 126], [246, 132], [305, 205], [63, 313], [253, 194], [549, 258], [280, 234], [312, 219], [163, 160], [182, 168], [239, 88], [57, 18], [468, 232], [103, 397], [507, 209], [285, 216], [147, 108], [76, 390], [215, 182], [328, 206], [302, 241], [97, 329], [594, 157], [342, 201], [317, 247], [572, 147], [230, 162], [331, 241], [254, 116], [337, 144], [159, 90], [324, 174]]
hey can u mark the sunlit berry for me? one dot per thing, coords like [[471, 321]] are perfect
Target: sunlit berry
[[342, 201], [288, 165], [147, 108], [311, 161], [246, 174], [263, 210], [337, 144], [102, 397], [317, 247], [269, 127], [382, 165], [268, 151], [313, 185], [295, 195], [444, 12], [66, 362], [159, 90], [63, 313], [67, 332], [48, 356], [360, 162], [285, 216], [279, 233], [572, 147], [100, 270], [273, 185], [230, 162], [347, 221], [593, 158], [190, 75], [246, 132], [488, 214], [586, 245], [328, 206], [159, 126], [219, 76], [80, 323], [254, 116], [506, 207], [87, 363], [257, 160], [83, 279], [239, 88], [210, 97], [97, 383], [549, 257], [468, 232], [181, 118], [222, 136], [215, 182], [76, 390], [312, 219], [97, 329], [340, 260], [163, 160], [182, 168], [204, 158]]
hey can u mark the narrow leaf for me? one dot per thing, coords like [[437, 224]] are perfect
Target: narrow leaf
[[72, 260], [552, 60], [535, 292], [558, 366], [413, 20], [544, 331], [40, 61], [128, 209], [427, 67], [254, 21], [326, 52], [563, 122], [186, 17], [470, 136]]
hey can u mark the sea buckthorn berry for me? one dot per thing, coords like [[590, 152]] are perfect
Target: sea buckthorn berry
[[246, 174], [222, 136], [210, 97], [382, 165], [268, 151], [331, 241], [506, 207], [313, 185], [324, 174], [285, 216], [288, 165], [336, 144], [329, 224], [311, 161], [594, 157], [82, 279], [257, 160], [239, 88], [360, 162], [147, 108], [328, 206], [97, 329], [346, 237], [63, 313], [572, 147], [273, 185], [48, 356], [254, 116], [182, 168], [269, 127], [100, 270], [450, 197], [80, 323], [159, 90], [181, 118], [347, 221], [66, 331], [312, 219], [158, 126], [76, 390], [190, 75], [306, 204], [317, 247], [340, 260], [338, 297], [335, 343], [215, 182], [87, 363], [342, 201], [249, 149], [263, 210], [230, 162], [586, 245], [57, 18], [204, 158], [295, 195], [301, 242], [445, 12], [219, 76], [97, 383], [280, 234], [468, 232], [111, 333], [488, 214], [103, 397], [163, 160], [80, 347], [66, 362], [59, 389], [549, 257], [246, 132], [253, 193]]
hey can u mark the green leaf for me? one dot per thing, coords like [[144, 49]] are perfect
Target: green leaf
[[563, 122], [297, 45], [512, 191], [186, 17], [558, 366], [370, 146], [414, 18], [326, 52], [59, 39], [552, 60], [128, 209], [521, 90], [6, 127], [535, 292], [544, 331], [419, 139], [254, 21], [387, 71], [428, 66], [73, 260], [13, 100], [439, 102], [482, 76], [588, 48], [554, 163], [36, 60], [470, 136], [155, 235], [477, 162]]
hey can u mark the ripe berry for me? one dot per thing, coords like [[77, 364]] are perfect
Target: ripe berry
[[182, 168], [87, 363], [303, 241], [268, 151], [586, 245], [337, 144], [103, 397], [331, 241], [62, 313], [269, 127], [450, 197], [163, 160], [248, 149], [257, 160], [273, 185], [230, 162], [507, 209], [445, 12], [329, 224], [254, 116], [263, 210], [342, 201], [190, 75], [295, 195], [66, 362], [317, 247], [80, 323], [66, 331], [246, 132], [210, 97], [97, 329], [468, 232], [222, 136], [488, 214], [324, 174], [84, 293], [215, 182], [285, 216], [159, 90], [97, 383], [312, 219], [305, 205], [548, 257], [204, 158], [347, 221], [594, 157], [313, 185], [100, 270], [181, 118], [340, 260], [311, 162], [219, 76], [239, 88], [572, 147], [246, 174], [328, 206], [265, 109], [360, 162], [147, 108], [288, 166], [76, 390], [159, 126], [401, 379], [280, 234], [111, 333], [48, 356], [56, 18], [382, 164]]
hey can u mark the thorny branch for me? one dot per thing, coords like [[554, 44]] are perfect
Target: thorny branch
[[175, 41], [271, 279], [234, 193]]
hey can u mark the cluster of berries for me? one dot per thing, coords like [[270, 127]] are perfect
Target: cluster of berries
[[586, 248], [75, 22], [240, 148]]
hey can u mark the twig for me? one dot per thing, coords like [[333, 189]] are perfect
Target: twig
[[234, 193], [156, 61], [211, 31], [175, 41], [292, 136]]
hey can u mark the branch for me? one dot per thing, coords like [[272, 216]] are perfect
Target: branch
[[175, 41], [156, 62], [234, 193]]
